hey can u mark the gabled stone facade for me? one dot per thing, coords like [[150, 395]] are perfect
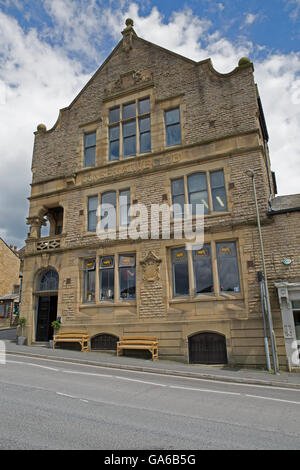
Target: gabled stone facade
[[222, 134]]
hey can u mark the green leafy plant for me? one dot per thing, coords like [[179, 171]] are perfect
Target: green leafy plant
[[22, 322], [55, 325]]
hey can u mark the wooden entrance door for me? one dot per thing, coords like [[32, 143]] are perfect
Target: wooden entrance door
[[207, 348], [47, 313]]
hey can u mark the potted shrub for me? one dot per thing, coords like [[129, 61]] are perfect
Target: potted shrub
[[56, 326], [22, 322]]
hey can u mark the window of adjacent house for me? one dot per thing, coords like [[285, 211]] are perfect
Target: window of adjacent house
[[89, 280], [173, 131], [296, 313], [129, 129], [218, 191], [197, 189], [180, 272], [124, 206], [89, 149], [3, 310], [228, 270], [92, 213], [107, 278], [199, 192], [108, 210], [203, 275], [127, 277]]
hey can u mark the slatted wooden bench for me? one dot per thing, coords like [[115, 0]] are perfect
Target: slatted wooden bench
[[139, 342], [81, 337]]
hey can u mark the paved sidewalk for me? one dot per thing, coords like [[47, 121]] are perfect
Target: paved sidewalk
[[162, 366]]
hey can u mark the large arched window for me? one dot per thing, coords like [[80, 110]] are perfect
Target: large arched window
[[48, 281]]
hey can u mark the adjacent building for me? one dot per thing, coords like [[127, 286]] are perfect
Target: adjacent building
[[153, 127], [9, 283]]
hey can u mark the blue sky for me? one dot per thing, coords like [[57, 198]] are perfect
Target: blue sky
[[50, 48]]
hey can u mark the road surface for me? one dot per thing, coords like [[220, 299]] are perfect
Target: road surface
[[48, 404]]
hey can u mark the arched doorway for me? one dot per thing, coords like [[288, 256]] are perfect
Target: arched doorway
[[207, 348], [104, 341], [47, 291]]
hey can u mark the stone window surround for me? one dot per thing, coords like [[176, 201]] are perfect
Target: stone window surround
[[288, 292]]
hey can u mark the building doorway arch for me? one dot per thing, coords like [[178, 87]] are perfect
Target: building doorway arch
[[47, 295], [207, 348]]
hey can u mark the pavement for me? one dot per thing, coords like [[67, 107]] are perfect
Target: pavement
[[162, 366]]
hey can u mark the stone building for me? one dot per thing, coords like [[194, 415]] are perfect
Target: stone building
[[153, 127], [9, 281]]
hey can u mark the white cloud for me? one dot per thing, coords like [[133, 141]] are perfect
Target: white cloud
[[250, 18], [37, 80]]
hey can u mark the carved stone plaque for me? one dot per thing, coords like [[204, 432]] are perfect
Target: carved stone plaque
[[151, 267]]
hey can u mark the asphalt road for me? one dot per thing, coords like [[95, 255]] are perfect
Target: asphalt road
[[48, 404]]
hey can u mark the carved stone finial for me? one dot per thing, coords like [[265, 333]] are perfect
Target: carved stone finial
[[41, 128], [244, 61]]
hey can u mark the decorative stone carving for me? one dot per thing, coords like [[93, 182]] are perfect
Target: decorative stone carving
[[35, 225], [151, 267], [129, 80]]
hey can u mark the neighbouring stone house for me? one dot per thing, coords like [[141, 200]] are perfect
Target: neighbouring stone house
[[153, 127], [9, 282]]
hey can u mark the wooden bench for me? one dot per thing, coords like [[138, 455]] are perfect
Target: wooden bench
[[139, 342], [81, 337]]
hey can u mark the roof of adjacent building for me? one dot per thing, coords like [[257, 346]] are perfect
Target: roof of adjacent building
[[286, 203]]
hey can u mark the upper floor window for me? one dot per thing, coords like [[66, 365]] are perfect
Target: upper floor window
[[113, 204], [207, 188], [92, 213], [173, 130], [218, 192], [89, 149], [129, 129], [108, 210]]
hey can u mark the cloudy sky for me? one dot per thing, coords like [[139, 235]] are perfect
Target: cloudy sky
[[50, 48]]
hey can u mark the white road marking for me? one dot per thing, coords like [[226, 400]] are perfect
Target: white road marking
[[65, 395], [140, 381], [85, 373], [34, 365], [204, 390], [274, 399]]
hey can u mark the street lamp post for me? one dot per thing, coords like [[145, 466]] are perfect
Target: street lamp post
[[251, 174]]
